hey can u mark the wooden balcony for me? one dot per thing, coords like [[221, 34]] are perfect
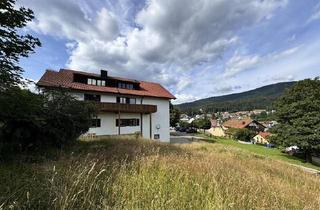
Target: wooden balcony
[[127, 108]]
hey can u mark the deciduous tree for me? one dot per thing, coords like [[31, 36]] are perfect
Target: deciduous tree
[[174, 115], [14, 45], [298, 114]]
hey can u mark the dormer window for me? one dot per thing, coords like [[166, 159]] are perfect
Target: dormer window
[[130, 86], [121, 85], [97, 82], [125, 85], [90, 81]]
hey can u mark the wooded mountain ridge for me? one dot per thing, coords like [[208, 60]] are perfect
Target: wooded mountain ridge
[[259, 98]]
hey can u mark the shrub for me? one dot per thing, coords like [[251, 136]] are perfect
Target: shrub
[[66, 118], [244, 134], [21, 116], [184, 124], [29, 121], [202, 123]]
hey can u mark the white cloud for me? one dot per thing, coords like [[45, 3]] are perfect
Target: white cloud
[[226, 89], [183, 98], [239, 63], [280, 78], [166, 37], [29, 84], [316, 15], [67, 19]]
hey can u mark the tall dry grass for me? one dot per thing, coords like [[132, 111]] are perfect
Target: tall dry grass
[[137, 174]]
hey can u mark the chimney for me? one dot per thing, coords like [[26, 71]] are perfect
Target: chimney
[[103, 74]]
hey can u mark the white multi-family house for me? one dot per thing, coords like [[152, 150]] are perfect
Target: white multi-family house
[[126, 106]]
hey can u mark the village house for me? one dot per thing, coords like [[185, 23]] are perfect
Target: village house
[[258, 111], [262, 138], [216, 128], [184, 118], [221, 129], [126, 106], [248, 123], [269, 124]]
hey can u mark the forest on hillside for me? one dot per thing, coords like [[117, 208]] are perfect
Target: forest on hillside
[[260, 98]]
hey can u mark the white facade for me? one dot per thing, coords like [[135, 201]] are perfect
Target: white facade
[[157, 129]]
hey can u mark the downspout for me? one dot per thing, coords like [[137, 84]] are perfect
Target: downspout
[[119, 122], [119, 132], [141, 119], [150, 125]]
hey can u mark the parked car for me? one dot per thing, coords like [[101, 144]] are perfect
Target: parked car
[[180, 129], [191, 130], [295, 151], [292, 148], [269, 145]]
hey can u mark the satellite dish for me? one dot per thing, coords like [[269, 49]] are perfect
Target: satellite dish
[[158, 126]]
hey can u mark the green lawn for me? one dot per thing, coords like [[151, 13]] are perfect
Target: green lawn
[[261, 150]]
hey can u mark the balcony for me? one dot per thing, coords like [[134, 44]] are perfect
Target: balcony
[[127, 108]]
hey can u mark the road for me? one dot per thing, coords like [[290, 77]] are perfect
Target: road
[[183, 138]]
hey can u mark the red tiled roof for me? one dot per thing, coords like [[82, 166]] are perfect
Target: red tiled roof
[[264, 134], [237, 123], [64, 79]]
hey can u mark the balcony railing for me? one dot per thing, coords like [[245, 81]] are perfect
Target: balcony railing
[[128, 108]]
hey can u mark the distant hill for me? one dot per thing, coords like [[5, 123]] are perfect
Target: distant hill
[[260, 98]]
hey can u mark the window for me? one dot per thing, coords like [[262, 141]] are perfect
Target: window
[[126, 100], [129, 86], [92, 97], [95, 123], [121, 100], [127, 122], [97, 82], [132, 101], [125, 85], [121, 85]]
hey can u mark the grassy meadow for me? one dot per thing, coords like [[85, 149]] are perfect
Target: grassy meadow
[[273, 153], [139, 174]]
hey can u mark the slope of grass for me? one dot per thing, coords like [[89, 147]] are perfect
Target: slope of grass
[[274, 153], [139, 174]]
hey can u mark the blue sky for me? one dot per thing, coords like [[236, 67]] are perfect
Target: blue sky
[[200, 49]]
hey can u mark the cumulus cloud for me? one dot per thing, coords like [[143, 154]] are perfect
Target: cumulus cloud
[[183, 98], [67, 19], [162, 40]]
